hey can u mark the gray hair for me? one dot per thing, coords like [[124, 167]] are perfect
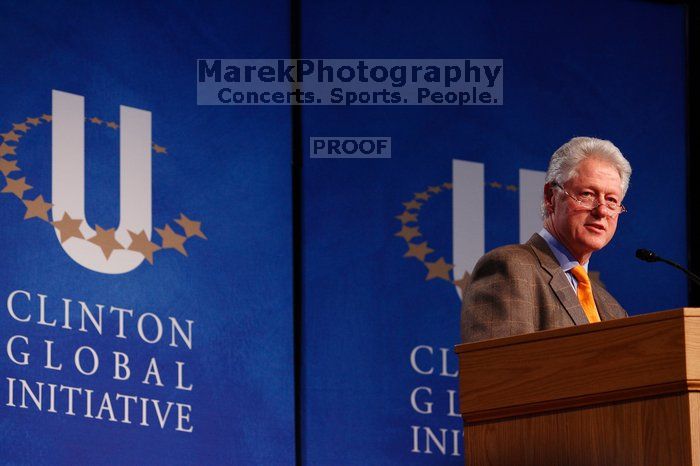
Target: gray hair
[[565, 161]]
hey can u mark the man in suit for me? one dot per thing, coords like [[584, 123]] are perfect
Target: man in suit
[[544, 283]]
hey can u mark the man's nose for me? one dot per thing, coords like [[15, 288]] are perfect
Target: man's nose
[[601, 210]]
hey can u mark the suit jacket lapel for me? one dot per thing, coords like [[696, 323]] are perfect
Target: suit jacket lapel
[[601, 302], [559, 283]]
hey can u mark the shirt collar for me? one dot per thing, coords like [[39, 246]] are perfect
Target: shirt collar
[[563, 256]]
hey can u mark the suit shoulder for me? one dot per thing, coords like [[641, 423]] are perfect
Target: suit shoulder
[[512, 253]]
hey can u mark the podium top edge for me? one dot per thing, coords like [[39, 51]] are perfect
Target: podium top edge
[[640, 319]]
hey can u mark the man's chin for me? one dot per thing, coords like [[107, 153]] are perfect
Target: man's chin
[[596, 244]]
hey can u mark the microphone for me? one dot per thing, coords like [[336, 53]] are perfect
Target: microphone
[[646, 255], [649, 256]]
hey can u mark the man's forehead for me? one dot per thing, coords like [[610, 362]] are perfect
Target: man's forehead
[[594, 166], [594, 171], [610, 182]]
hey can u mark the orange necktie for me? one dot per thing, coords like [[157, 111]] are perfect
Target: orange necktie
[[585, 294]]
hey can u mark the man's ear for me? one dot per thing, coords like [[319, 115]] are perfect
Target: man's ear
[[549, 197]]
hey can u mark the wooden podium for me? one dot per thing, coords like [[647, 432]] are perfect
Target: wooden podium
[[622, 392]]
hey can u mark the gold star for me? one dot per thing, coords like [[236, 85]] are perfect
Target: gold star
[[463, 283], [419, 251], [447, 185], [96, 120], [438, 269], [191, 227], [16, 187], [407, 217], [141, 243], [68, 228], [112, 125], [435, 189], [10, 136], [424, 196], [8, 166], [33, 121], [172, 240], [408, 233], [6, 150], [46, 117], [159, 149], [37, 208], [511, 187], [412, 205], [106, 241], [495, 184], [20, 127]]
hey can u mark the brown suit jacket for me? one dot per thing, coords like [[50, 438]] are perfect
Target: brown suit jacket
[[521, 288]]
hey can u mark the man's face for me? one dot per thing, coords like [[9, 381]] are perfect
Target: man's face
[[584, 231]]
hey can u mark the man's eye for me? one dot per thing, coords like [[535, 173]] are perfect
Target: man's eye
[[612, 200], [586, 195]]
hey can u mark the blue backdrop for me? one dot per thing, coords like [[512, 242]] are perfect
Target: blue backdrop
[[378, 374], [225, 167], [613, 70]]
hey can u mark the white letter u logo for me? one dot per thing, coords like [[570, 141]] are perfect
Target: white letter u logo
[[68, 181]]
